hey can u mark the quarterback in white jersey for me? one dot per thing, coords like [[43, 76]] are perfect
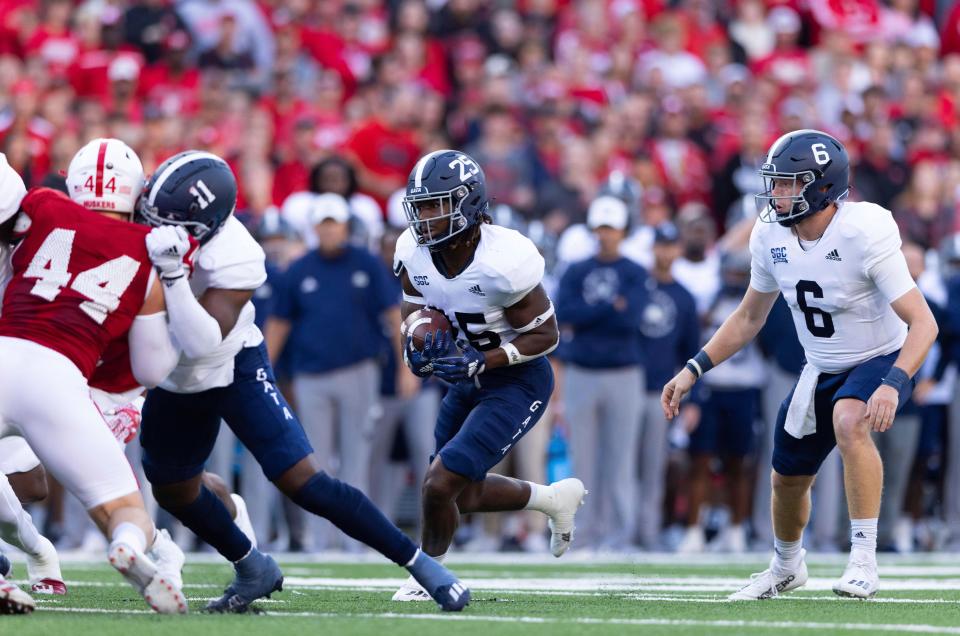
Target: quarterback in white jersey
[[486, 280], [225, 374], [840, 269]]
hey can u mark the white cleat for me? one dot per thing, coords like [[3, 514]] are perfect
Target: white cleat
[[568, 495], [160, 592], [772, 582], [43, 569], [13, 600], [411, 591], [859, 580], [168, 557], [243, 518]]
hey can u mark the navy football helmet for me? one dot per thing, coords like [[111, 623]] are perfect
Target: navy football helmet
[[194, 189], [809, 169], [454, 184]]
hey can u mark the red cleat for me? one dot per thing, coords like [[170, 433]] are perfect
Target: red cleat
[[52, 587]]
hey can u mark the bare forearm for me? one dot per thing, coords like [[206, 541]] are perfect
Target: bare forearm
[[915, 348], [532, 344]]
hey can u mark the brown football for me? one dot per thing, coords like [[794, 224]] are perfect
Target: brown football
[[421, 322]]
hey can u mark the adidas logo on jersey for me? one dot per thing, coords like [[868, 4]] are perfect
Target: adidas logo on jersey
[[834, 256], [476, 290]]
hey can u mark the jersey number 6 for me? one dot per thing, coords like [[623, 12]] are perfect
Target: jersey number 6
[[824, 330]]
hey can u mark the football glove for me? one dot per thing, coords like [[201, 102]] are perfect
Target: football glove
[[463, 368], [167, 246], [434, 346]]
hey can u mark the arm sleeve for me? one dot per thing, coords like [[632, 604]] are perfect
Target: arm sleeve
[[196, 331], [153, 355], [883, 262], [760, 277]]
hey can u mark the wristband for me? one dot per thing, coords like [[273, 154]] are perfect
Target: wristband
[[699, 364], [896, 378]]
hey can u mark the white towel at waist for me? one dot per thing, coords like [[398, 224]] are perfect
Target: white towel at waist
[[801, 419]]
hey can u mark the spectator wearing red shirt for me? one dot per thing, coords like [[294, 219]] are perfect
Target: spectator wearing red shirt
[[301, 153], [683, 166], [172, 84], [22, 129], [53, 41], [383, 148], [788, 65], [101, 37]]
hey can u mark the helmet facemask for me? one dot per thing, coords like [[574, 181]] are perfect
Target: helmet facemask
[[152, 216], [799, 207], [449, 205]]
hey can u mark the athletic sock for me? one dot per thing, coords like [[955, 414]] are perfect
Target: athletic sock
[[131, 534], [355, 515], [863, 536], [787, 553], [210, 520], [542, 498]]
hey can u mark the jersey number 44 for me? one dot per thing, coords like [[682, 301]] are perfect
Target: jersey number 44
[[102, 285]]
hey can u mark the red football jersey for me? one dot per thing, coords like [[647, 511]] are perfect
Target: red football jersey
[[79, 278], [114, 373]]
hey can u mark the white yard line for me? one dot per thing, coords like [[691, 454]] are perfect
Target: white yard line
[[664, 622], [573, 586]]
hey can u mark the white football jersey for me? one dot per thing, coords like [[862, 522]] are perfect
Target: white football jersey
[[505, 268], [840, 289], [231, 260]]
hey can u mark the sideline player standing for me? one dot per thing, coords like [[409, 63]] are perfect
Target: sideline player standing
[[487, 280], [224, 373], [81, 280], [840, 269]]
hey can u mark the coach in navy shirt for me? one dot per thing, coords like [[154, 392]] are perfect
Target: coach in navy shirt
[[600, 304], [332, 308], [671, 335]]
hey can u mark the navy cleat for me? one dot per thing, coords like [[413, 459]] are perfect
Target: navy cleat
[[258, 576], [440, 583], [5, 566]]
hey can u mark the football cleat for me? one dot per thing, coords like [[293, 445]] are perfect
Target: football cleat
[[168, 557], [772, 582], [49, 587], [13, 600], [411, 591], [43, 569], [569, 495], [859, 580], [161, 592], [258, 576], [439, 582], [243, 518]]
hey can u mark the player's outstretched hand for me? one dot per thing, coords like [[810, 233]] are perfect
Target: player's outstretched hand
[[167, 246], [882, 408], [675, 390]]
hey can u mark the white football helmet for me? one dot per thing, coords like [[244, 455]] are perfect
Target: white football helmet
[[106, 175]]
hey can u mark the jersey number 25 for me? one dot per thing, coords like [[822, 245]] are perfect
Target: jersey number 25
[[103, 285]]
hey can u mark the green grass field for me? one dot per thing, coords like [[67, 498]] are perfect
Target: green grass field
[[580, 595]]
